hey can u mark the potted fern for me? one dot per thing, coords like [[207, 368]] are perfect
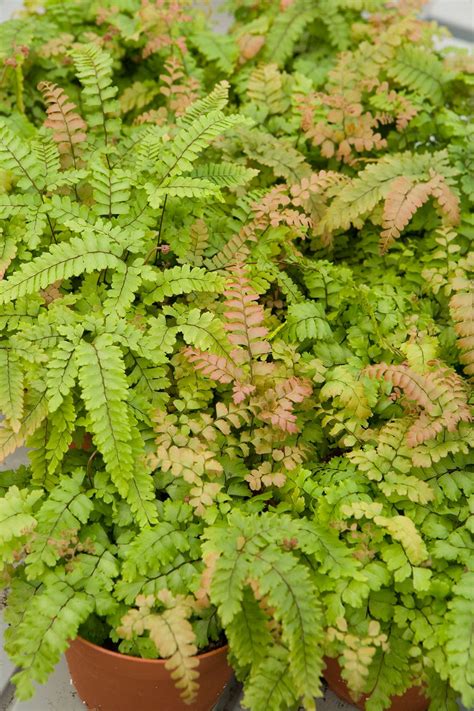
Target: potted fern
[[105, 376], [243, 429]]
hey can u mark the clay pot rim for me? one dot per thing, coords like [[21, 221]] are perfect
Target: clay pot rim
[[141, 660]]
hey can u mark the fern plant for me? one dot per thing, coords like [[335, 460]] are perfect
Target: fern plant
[[236, 337]]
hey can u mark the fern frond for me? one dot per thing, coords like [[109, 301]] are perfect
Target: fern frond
[[276, 153], [350, 391], [182, 187], [68, 127], [266, 89], [8, 251], [269, 686], [278, 402], [138, 95], [224, 174], [51, 620], [191, 140], [306, 321], [60, 516], [110, 189], [62, 422], [124, 285], [11, 389], [244, 318], [248, 551], [94, 70], [61, 372], [61, 261], [204, 331], [361, 195], [183, 280], [172, 634], [17, 521], [215, 367], [440, 393], [219, 48], [198, 241], [105, 394], [461, 307], [215, 101], [405, 199], [16, 155], [286, 30], [460, 645], [35, 412], [420, 71]]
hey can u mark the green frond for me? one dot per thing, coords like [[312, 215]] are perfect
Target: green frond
[[94, 70], [276, 153], [191, 140], [110, 189], [61, 372], [420, 71], [286, 29], [224, 174], [138, 95], [215, 101], [306, 320], [47, 155], [8, 251], [460, 633], [62, 423], [270, 684], [17, 521], [248, 633], [17, 156], [181, 187], [361, 195], [61, 261], [125, 283], [203, 330], [219, 48], [11, 388], [35, 412], [52, 618], [183, 280], [60, 517], [105, 393]]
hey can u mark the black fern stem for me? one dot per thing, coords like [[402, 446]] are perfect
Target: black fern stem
[[158, 241]]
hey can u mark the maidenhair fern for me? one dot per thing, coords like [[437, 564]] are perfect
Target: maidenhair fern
[[236, 338]]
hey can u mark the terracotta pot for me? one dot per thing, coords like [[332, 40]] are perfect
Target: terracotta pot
[[108, 681], [411, 700]]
